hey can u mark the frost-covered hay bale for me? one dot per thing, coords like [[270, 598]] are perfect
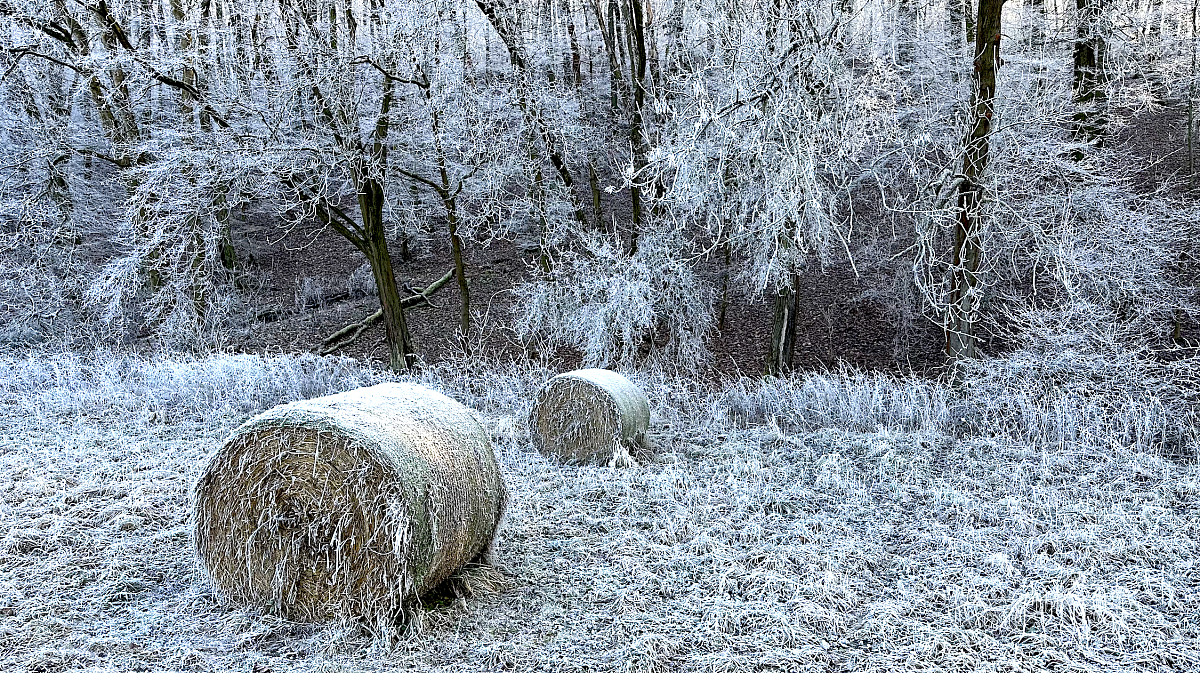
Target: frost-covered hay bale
[[349, 505], [591, 416]]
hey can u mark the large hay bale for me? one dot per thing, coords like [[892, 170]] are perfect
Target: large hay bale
[[591, 416], [350, 505]]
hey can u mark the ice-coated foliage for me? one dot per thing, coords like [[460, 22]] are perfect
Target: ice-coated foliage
[[1070, 243], [1078, 397], [620, 308], [772, 131], [1035, 511], [177, 267], [360, 282], [845, 399]]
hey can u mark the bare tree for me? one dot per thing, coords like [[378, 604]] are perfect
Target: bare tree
[[768, 143]]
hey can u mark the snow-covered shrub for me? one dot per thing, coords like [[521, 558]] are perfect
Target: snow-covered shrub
[[310, 293], [361, 282], [844, 399], [173, 275], [172, 387], [1061, 390], [610, 304]]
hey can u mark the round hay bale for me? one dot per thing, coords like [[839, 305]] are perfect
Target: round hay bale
[[591, 416], [350, 505]]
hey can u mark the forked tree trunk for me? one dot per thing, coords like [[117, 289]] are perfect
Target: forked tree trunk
[[968, 239]]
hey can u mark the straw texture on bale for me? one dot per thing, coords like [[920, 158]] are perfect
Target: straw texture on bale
[[350, 505], [591, 416]]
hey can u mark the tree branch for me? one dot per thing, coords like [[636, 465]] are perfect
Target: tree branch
[[423, 180], [106, 17], [367, 60], [331, 215], [350, 333], [50, 28], [22, 52]]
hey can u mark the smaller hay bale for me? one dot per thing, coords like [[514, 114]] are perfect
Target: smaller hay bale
[[592, 416], [348, 506]]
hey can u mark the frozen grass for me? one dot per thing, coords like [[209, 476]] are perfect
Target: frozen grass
[[836, 523]]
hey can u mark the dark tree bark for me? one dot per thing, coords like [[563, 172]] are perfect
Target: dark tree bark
[[637, 140], [969, 14], [906, 27], [370, 204], [968, 243], [447, 192], [783, 329], [576, 59], [616, 82], [1090, 119], [1191, 112], [1037, 41], [370, 237]]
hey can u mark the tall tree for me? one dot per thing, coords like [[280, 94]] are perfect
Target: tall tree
[[346, 89], [968, 234], [767, 138]]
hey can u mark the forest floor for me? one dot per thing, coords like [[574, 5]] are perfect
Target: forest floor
[[836, 324]]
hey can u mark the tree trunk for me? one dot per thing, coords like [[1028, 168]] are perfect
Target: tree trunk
[[184, 41], [906, 28], [1037, 42], [505, 25], [1091, 101], [607, 22], [594, 187], [969, 15], [448, 194], [723, 306], [637, 141], [576, 60], [783, 330], [370, 204], [464, 324], [968, 240], [1191, 111]]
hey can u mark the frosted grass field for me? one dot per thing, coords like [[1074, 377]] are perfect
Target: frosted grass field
[[842, 522]]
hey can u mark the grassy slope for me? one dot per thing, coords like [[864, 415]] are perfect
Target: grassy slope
[[778, 537]]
